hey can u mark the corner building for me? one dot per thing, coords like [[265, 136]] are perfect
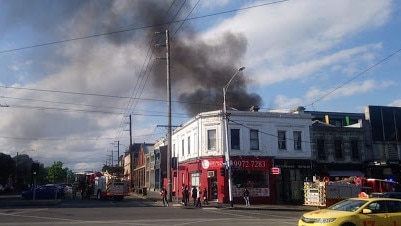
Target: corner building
[[256, 140]]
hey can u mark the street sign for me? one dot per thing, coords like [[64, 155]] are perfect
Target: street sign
[[275, 170]]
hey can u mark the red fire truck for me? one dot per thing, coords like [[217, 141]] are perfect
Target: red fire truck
[[326, 193]]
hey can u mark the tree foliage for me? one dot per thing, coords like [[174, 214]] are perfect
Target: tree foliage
[[23, 175], [7, 169], [56, 173]]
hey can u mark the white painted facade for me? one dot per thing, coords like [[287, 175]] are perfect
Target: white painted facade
[[190, 141]]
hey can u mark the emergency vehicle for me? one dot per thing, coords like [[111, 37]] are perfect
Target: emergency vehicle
[[102, 185], [109, 186], [326, 193]]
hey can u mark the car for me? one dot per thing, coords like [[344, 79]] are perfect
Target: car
[[355, 212], [44, 192]]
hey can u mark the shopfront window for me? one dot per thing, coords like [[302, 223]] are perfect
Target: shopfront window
[[195, 179], [251, 178]]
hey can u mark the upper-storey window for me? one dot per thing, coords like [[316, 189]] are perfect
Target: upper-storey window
[[182, 147], [297, 140], [321, 154], [338, 148], [282, 141], [254, 139], [235, 139], [354, 149], [211, 139], [189, 145]]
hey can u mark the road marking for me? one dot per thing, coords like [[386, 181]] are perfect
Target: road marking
[[9, 213]]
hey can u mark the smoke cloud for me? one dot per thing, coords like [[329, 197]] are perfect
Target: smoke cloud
[[199, 68]]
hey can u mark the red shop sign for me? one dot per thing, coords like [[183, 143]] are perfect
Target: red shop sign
[[275, 170]]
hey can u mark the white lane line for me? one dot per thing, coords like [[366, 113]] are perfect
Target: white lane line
[[10, 213]]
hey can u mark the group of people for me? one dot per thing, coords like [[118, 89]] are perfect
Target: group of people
[[197, 194]]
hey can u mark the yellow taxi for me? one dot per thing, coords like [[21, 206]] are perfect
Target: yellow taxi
[[356, 212]]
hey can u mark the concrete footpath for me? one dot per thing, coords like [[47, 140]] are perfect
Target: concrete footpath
[[155, 197]]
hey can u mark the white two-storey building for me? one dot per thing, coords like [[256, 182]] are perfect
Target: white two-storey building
[[258, 142]]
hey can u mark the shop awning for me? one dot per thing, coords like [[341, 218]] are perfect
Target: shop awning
[[345, 173]]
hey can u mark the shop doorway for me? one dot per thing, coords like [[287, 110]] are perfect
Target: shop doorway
[[212, 184]]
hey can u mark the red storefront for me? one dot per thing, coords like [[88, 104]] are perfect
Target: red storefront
[[252, 172]]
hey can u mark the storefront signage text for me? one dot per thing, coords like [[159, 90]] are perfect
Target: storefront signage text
[[250, 164]]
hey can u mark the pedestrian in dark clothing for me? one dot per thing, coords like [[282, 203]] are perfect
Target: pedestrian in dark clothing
[[205, 201], [186, 195], [183, 194], [163, 194], [246, 196], [194, 194], [75, 187]]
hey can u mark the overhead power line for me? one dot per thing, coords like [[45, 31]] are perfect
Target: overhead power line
[[355, 77], [139, 28]]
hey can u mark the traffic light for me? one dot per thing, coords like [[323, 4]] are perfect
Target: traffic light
[[223, 172], [35, 168]]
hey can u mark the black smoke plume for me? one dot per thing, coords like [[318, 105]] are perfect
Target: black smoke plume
[[199, 70]]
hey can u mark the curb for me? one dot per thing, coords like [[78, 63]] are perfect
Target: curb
[[157, 202]]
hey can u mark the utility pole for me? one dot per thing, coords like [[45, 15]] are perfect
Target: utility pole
[[169, 117], [169, 140], [118, 153], [130, 133]]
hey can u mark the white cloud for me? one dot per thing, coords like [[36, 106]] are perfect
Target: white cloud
[[297, 38], [395, 103], [315, 94]]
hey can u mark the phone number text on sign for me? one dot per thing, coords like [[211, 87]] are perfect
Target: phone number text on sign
[[250, 164]]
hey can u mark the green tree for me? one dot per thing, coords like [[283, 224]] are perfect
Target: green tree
[[7, 169], [57, 173], [23, 165], [70, 176]]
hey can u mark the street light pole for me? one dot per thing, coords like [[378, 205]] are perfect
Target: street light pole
[[227, 152]]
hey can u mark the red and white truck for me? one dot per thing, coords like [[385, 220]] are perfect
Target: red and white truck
[[326, 193], [109, 186], [102, 185]]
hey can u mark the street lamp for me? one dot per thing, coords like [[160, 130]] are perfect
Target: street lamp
[[227, 152]]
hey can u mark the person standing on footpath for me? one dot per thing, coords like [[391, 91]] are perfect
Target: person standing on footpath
[[205, 197], [198, 197], [186, 195], [194, 194], [163, 194], [246, 196]]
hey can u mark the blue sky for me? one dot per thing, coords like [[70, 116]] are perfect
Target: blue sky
[[69, 90]]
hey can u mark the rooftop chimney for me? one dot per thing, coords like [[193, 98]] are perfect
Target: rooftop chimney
[[254, 108]]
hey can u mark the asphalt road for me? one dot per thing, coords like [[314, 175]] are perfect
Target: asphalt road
[[141, 212]]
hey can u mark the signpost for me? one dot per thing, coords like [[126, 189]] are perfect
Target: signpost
[[275, 170]]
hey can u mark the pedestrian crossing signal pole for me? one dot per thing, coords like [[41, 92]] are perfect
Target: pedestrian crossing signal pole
[[35, 171]]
